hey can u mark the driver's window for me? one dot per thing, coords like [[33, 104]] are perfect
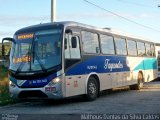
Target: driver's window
[[72, 51]]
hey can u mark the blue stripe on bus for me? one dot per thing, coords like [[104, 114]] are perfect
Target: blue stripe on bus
[[33, 83], [109, 64], [100, 64]]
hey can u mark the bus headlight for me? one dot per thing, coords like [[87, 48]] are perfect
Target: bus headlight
[[12, 84], [54, 81]]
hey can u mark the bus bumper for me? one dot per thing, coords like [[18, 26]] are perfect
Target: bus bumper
[[46, 92]]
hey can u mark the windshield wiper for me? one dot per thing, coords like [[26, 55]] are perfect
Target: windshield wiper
[[34, 54], [37, 58], [39, 61]]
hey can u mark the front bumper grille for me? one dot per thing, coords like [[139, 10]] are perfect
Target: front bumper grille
[[32, 94]]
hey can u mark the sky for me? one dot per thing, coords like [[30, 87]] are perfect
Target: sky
[[16, 14]]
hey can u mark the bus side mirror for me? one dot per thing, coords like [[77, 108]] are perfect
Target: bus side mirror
[[8, 39], [3, 51], [74, 42], [65, 43], [68, 31], [3, 46]]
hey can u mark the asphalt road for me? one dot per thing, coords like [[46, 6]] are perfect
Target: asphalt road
[[119, 101]]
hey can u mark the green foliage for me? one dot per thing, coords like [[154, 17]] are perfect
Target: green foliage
[[4, 89], [3, 72], [4, 95]]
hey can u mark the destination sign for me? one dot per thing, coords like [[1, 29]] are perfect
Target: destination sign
[[22, 59], [25, 36]]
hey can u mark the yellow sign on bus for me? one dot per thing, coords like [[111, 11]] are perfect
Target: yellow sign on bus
[[25, 36], [22, 59]]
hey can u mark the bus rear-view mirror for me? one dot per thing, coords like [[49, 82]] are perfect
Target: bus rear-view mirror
[[74, 42], [3, 46]]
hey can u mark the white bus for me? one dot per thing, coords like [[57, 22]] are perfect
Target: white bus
[[64, 59]]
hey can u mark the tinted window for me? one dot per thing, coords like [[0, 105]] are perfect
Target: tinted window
[[90, 42], [152, 50], [141, 49], [41, 52], [132, 48], [120, 46], [107, 44], [148, 49]]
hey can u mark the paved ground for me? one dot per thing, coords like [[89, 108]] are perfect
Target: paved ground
[[119, 101]]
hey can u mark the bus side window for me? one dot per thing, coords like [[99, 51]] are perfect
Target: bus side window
[[141, 49], [152, 50]]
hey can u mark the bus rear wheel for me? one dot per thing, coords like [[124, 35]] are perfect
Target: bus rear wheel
[[139, 84], [92, 89]]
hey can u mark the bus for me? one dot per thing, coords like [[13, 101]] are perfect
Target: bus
[[65, 59]]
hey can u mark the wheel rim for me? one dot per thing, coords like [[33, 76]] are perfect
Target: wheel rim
[[141, 84], [92, 89], [140, 79]]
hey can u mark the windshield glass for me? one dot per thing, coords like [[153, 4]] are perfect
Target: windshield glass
[[36, 52]]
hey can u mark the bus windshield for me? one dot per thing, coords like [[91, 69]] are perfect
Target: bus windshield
[[37, 51]]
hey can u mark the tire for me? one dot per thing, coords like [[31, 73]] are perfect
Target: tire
[[140, 81], [92, 89], [133, 87], [139, 84]]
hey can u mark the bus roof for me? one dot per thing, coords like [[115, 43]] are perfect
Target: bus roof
[[71, 23]]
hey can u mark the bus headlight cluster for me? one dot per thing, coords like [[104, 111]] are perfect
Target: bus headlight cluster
[[54, 81]]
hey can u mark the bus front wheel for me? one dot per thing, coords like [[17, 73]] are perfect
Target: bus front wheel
[[92, 89]]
